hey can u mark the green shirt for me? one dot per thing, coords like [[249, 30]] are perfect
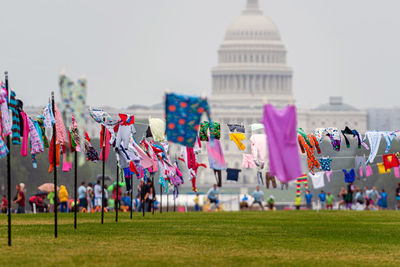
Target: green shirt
[[50, 197], [329, 199]]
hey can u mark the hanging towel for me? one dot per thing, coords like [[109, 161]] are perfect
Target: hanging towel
[[106, 145], [157, 128], [216, 158], [25, 137], [317, 179], [382, 169]]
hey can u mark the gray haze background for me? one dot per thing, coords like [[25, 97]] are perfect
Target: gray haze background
[[131, 51]]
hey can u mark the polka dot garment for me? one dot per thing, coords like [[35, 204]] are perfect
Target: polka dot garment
[[183, 114]]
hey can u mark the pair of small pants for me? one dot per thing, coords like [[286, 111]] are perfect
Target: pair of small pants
[[259, 148], [259, 178], [128, 181], [248, 161], [218, 176], [301, 179], [269, 178], [360, 160], [367, 172]]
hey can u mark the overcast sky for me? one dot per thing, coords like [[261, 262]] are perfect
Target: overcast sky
[[131, 51]]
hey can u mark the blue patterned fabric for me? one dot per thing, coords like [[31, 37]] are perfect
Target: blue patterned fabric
[[183, 114], [325, 163]]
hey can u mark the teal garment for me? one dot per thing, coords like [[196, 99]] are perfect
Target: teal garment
[[183, 114], [258, 195], [301, 132]]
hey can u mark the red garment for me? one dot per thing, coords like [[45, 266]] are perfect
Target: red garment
[[127, 120], [51, 156], [191, 158], [4, 202], [21, 202], [390, 161], [107, 144]]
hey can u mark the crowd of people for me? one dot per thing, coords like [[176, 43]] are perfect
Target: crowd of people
[[89, 199]]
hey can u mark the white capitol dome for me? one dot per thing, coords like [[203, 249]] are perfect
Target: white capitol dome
[[251, 63], [252, 25]]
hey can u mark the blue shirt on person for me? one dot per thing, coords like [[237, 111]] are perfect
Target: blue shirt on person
[[322, 197], [308, 197]]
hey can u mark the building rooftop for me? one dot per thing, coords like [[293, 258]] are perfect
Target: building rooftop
[[335, 104]]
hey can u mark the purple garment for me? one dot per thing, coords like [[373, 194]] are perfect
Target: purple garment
[[280, 127], [215, 155]]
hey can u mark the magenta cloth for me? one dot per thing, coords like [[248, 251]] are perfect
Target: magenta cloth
[[396, 172], [280, 126], [145, 160], [25, 136], [215, 155]]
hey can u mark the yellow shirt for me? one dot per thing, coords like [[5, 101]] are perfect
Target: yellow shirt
[[297, 201], [237, 138], [196, 200], [381, 168]]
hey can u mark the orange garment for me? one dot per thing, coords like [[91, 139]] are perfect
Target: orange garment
[[310, 150], [237, 138]]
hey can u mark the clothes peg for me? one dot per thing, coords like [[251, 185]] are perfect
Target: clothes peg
[[63, 71], [265, 100], [168, 91], [203, 95], [291, 101]]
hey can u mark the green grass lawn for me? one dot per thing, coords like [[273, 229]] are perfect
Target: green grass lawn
[[235, 238]]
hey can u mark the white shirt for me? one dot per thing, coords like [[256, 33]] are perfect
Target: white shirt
[[97, 191]]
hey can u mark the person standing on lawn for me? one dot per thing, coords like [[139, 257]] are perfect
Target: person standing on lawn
[[20, 200]]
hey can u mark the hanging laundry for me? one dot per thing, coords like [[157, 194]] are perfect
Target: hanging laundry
[[5, 127], [328, 176], [374, 139], [309, 148], [215, 155], [299, 181], [259, 149], [105, 143], [382, 169], [256, 126], [325, 163], [368, 171], [270, 179], [90, 152], [215, 130], [3, 148], [248, 161], [51, 155], [361, 161], [48, 116], [237, 138], [301, 132], [25, 136], [396, 171], [390, 161], [157, 128], [126, 130], [232, 174], [349, 176], [39, 121], [280, 127], [16, 107], [332, 133], [218, 177], [236, 128], [317, 179], [183, 114], [356, 135], [36, 142], [61, 137]]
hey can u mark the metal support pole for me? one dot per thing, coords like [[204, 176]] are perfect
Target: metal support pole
[[168, 200], [8, 169], [143, 194], [75, 186], [54, 168], [131, 208], [117, 195], [103, 171]]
